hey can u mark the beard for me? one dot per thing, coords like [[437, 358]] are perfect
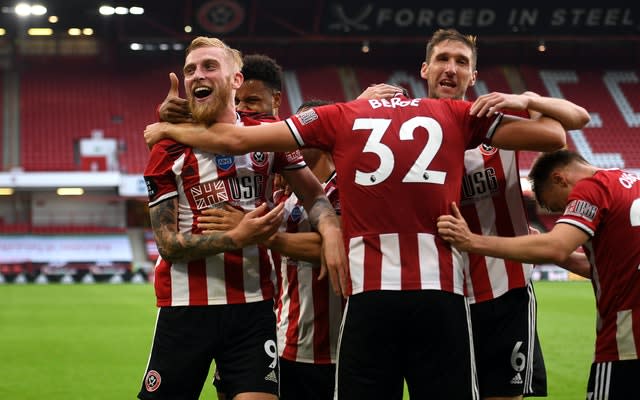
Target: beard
[[209, 111]]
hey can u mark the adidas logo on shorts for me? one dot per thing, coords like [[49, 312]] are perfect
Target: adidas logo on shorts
[[516, 380], [271, 376]]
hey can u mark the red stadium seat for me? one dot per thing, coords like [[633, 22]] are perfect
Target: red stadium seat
[[66, 104], [61, 105]]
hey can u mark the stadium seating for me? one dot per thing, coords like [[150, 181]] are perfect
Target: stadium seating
[[612, 137], [66, 104], [60, 106], [306, 84]]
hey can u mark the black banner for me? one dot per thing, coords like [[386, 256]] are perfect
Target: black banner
[[406, 18]]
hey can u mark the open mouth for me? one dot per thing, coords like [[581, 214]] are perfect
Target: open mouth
[[447, 83], [202, 92]]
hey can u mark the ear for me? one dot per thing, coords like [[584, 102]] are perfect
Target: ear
[[474, 76], [277, 98], [557, 178], [237, 81], [423, 70]]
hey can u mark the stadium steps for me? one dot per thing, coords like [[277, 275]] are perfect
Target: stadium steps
[[138, 248]]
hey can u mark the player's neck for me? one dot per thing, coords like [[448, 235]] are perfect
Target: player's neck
[[583, 171], [228, 116]]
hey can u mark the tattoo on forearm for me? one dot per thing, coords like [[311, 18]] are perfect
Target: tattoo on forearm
[[322, 210], [165, 215], [176, 246]]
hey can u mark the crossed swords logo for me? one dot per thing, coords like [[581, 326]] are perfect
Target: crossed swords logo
[[346, 24]]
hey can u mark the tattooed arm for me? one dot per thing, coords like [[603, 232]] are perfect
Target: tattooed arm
[[323, 219], [254, 227]]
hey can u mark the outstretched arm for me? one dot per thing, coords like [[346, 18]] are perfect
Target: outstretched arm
[[551, 247], [225, 138], [578, 264], [176, 246]]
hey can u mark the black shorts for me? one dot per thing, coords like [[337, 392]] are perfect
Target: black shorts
[[422, 336], [217, 383], [241, 338], [306, 380], [614, 380], [508, 354]]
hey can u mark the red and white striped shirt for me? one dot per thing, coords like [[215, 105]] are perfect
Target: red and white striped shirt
[[492, 204], [308, 311], [399, 164], [202, 180], [606, 207]]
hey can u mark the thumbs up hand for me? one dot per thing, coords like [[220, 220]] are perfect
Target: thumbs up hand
[[174, 109]]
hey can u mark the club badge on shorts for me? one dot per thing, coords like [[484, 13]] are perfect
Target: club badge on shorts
[[487, 150], [152, 381]]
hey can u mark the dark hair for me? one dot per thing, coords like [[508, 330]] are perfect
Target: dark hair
[[262, 68], [312, 103], [451, 34], [544, 165]]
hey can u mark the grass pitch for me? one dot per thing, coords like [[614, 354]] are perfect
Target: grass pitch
[[67, 342], [74, 341], [567, 326]]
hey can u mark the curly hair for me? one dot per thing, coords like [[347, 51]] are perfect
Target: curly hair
[[262, 68]]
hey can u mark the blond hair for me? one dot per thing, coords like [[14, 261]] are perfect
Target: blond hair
[[203, 41]]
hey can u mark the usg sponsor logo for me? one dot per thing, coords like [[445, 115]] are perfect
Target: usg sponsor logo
[[307, 117], [581, 208]]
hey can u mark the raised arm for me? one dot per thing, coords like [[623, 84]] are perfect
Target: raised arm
[[176, 246], [224, 138], [542, 134], [545, 131], [570, 115], [552, 247]]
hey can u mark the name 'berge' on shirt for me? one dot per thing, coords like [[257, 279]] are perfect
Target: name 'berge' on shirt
[[393, 103]]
